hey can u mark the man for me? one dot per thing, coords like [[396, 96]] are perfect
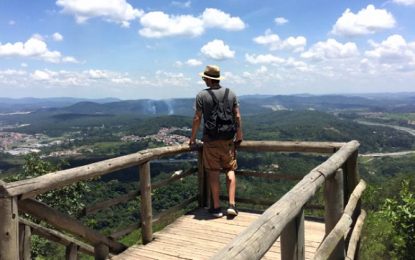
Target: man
[[222, 131]]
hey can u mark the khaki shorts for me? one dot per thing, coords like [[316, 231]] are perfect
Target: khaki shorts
[[219, 154]]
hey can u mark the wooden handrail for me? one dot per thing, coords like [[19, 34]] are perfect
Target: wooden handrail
[[329, 243], [252, 244], [31, 187], [63, 222], [131, 195], [355, 238], [255, 241], [57, 236]]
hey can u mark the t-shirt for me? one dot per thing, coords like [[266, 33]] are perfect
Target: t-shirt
[[205, 103]]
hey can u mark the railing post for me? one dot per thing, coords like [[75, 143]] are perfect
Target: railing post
[[146, 208], [203, 183], [9, 229], [25, 243], [71, 252], [101, 251], [351, 179], [292, 239], [333, 197]]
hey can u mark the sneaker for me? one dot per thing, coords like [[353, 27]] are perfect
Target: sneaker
[[232, 211], [216, 212]]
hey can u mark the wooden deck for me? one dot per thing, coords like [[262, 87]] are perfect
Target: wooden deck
[[199, 236]]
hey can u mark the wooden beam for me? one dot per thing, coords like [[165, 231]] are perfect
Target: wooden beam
[[35, 186], [292, 239], [173, 178], [333, 197], [269, 176], [281, 146], [31, 187], [146, 208], [329, 243], [57, 236], [64, 222], [255, 241], [9, 228], [124, 231], [109, 203], [173, 209], [132, 195], [353, 247]]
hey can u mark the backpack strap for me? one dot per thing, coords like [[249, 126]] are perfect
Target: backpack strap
[[213, 96], [225, 97]]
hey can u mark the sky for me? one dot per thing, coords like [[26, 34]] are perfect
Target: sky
[[137, 49]]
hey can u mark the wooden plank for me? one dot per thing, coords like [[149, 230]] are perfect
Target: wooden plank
[[101, 251], [333, 197], [344, 224], [64, 222], [57, 236], [9, 228], [292, 239], [255, 241], [352, 250], [146, 208]]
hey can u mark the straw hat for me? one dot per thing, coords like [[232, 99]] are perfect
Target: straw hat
[[211, 72]]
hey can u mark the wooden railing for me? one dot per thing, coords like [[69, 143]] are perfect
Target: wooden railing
[[285, 217]]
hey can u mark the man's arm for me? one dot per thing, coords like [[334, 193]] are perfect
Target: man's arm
[[195, 126], [238, 118]]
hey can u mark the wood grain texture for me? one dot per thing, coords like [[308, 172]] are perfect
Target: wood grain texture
[[197, 235]]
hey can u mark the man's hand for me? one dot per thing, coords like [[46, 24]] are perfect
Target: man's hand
[[192, 141]]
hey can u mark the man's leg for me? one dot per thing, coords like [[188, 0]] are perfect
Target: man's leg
[[214, 187], [231, 185]]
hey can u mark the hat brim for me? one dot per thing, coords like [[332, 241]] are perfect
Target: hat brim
[[209, 77]]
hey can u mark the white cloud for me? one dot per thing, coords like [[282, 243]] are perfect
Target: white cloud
[[159, 24], [217, 50], [182, 4], [394, 51], [24, 65], [264, 59], [331, 49], [216, 18], [193, 62], [280, 20], [274, 42], [12, 22], [42, 75], [57, 37], [97, 74], [34, 47], [10, 72], [367, 21], [117, 11], [69, 59], [404, 2]]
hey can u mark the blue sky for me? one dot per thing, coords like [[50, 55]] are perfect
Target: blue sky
[[155, 49]]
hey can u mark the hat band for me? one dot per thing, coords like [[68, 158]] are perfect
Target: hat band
[[211, 75]]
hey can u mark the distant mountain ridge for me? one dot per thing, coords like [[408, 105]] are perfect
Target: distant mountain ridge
[[250, 104]]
